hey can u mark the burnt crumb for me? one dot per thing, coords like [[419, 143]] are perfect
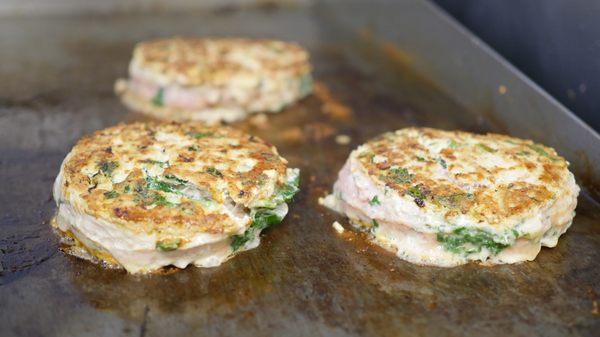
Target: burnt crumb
[[185, 159], [383, 166], [167, 270], [108, 150], [420, 202], [119, 212], [267, 156], [241, 193]]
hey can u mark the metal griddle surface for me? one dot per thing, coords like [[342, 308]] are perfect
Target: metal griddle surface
[[304, 279]]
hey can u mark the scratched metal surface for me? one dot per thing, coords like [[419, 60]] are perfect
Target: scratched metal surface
[[304, 279]]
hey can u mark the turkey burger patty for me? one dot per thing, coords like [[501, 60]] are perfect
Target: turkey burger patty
[[445, 198], [214, 80], [143, 196]]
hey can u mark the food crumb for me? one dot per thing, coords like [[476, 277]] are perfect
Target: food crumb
[[330, 105], [338, 227], [595, 310], [342, 139], [259, 121], [318, 131], [502, 90], [292, 135]]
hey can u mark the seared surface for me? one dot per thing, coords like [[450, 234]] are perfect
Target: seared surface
[[442, 198], [195, 61], [111, 170], [214, 79], [304, 279], [492, 180]]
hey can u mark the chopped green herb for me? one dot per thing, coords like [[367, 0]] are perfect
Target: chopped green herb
[[146, 197], [399, 175], [442, 162], [287, 191], [173, 177], [160, 200], [374, 227], [418, 194], [539, 150], [156, 162], [263, 218], [153, 183], [213, 171], [515, 233], [111, 194], [158, 99], [453, 200], [523, 153], [415, 192], [199, 135], [284, 193], [167, 245], [452, 144], [374, 201], [107, 167], [468, 241], [193, 148], [172, 184], [486, 148], [419, 158]]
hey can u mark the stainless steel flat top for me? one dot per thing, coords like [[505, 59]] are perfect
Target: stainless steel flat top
[[304, 279]]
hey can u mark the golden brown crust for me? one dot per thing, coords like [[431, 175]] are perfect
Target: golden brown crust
[[121, 174], [486, 177], [193, 62]]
